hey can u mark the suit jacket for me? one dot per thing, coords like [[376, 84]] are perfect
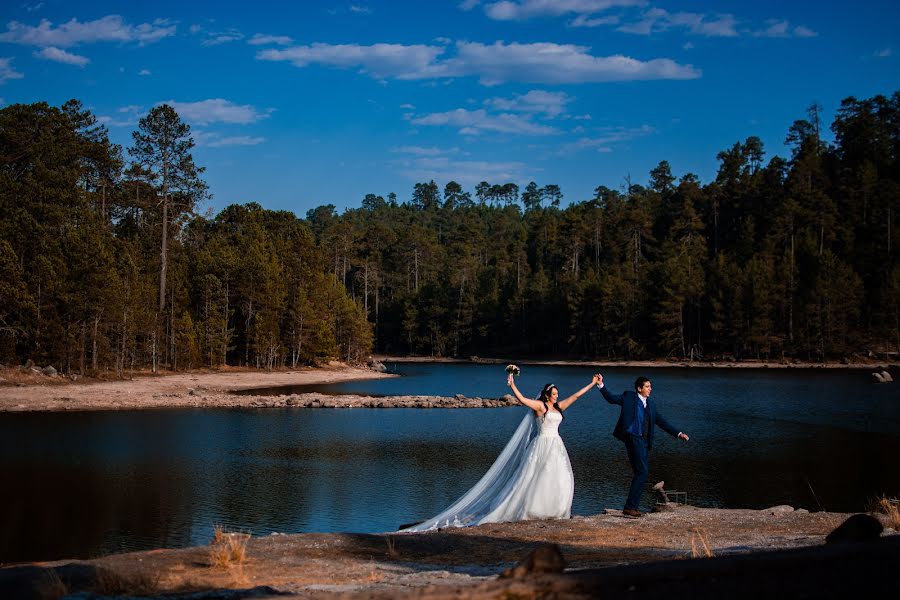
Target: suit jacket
[[628, 401]]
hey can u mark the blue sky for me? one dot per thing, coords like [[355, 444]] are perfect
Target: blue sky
[[299, 104]]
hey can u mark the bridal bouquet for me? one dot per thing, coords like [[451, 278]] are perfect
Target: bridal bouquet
[[514, 370]]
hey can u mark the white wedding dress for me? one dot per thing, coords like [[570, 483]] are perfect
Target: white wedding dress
[[531, 479]]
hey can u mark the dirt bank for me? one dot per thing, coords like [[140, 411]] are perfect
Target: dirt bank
[[186, 390], [448, 563]]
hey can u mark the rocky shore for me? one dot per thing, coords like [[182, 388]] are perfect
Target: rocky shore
[[639, 558], [217, 390]]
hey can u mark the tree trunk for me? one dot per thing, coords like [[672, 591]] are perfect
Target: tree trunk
[[791, 295], [94, 345], [163, 255]]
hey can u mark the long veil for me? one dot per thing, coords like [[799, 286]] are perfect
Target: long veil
[[491, 489]]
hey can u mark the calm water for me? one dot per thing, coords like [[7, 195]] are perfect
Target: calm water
[[84, 484]]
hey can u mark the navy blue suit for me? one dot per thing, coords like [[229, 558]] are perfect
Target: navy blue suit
[[638, 443]]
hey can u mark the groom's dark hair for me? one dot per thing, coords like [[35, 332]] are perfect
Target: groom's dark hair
[[639, 383]]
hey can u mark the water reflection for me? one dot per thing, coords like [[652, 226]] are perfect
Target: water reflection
[[83, 484]]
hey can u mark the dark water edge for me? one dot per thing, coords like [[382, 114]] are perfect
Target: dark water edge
[[83, 484]]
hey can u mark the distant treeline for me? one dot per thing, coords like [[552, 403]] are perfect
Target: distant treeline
[[103, 266]]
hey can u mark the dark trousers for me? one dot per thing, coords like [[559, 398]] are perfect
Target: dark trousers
[[640, 465]]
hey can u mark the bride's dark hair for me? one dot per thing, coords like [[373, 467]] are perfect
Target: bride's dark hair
[[545, 398]]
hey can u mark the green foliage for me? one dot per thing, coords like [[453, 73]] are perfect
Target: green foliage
[[102, 268], [82, 278]]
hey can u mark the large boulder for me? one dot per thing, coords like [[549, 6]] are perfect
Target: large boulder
[[543, 559], [49, 371], [857, 528]]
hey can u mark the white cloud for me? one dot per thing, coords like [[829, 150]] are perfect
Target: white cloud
[[656, 19], [557, 63], [551, 104], [210, 139], [260, 39], [130, 108], [474, 122], [492, 64], [217, 110], [61, 56], [469, 4], [587, 21], [145, 72], [607, 138], [527, 9], [7, 72], [113, 122], [378, 60], [883, 53], [408, 106], [110, 28], [420, 151], [356, 8], [223, 37], [464, 172], [782, 29]]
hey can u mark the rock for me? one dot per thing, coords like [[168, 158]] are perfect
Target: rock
[[801, 511], [543, 559], [661, 493], [781, 509], [459, 397], [49, 371], [29, 364], [878, 378], [376, 365], [192, 392], [886, 376], [858, 528], [291, 401]]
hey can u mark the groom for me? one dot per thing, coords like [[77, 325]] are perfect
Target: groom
[[635, 428]]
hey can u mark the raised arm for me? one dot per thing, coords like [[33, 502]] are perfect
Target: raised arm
[[608, 395], [534, 405], [564, 404]]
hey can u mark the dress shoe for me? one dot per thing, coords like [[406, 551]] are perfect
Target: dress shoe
[[634, 514]]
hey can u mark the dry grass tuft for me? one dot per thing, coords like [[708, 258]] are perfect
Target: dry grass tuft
[[891, 508], [227, 548], [51, 586], [699, 546], [391, 542], [110, 583]]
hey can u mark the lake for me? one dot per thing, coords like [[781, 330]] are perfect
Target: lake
[[78, 485]]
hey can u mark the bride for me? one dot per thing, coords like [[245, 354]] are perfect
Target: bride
[[531, 479]]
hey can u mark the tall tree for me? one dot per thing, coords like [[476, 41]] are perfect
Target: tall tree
[[162, 148]]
